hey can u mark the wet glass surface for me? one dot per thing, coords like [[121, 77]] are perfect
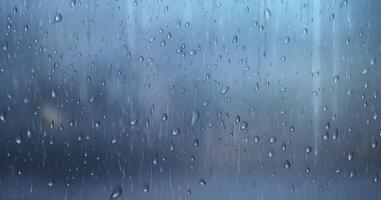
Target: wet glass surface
[[190, 99]]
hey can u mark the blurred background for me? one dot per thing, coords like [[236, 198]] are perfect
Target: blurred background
[[190, 99]]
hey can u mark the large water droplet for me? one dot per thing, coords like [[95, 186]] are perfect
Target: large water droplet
[[195, 117], [117, 192]]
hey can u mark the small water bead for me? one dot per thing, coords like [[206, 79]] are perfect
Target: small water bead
[[175, 131], [202, 182], [352, 173], [287, 164], [18, 140], [374, 144], [244, 125], [375, 116], [292, 129], [73, 3], [336, 78], [196, 142], [287, 40], [267, 14], [225, 90], [256, 139], [237, 119], [117, 192], [235, 39], [270, 153], [272, 139], [195, 117], [163, 43], [54, 94], [350, 156], [332, 16], [133, 122], [164, 117], [29, 133], [146, 187], [58, 17], [97, 124], [247, 9], [308, 149], [50, 183], [284, 147], [3, 116]]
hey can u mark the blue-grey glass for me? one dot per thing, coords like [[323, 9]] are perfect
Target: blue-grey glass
[[190, 99]]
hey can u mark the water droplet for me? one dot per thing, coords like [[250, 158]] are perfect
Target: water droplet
[[287, 164], [267, 14], [332, 16], [175, 131], [3, 116], [50, 183], [196, 142], [235, 39], [202, 182], [97, 124], [29, 133], [73, 3], [374, 144], [146, 188], [350, 156], [270, 153], [256, 139], [58, 18], [287, 40], [117, 192], [243, 125], [164, 117], [54, 94], [308, 149], [18, 140], [225, 90], [336, 78], [195, 117]]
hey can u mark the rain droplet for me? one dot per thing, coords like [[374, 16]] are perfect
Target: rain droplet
[[146, 188], [267, 14], [336, 78], [117, 192], [235, 39], [50, 183], [58, 18], [3, 116], [73, 3], [350, 156], [374, 144], [195, 117], [225, 90], [196, 142], [164, 117], [287, 40], [175, 131], [202, 182], [332, 16], [243, 125], [287, 164], [308, 149]]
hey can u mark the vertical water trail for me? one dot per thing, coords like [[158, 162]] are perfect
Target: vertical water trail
[[316, 82]]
